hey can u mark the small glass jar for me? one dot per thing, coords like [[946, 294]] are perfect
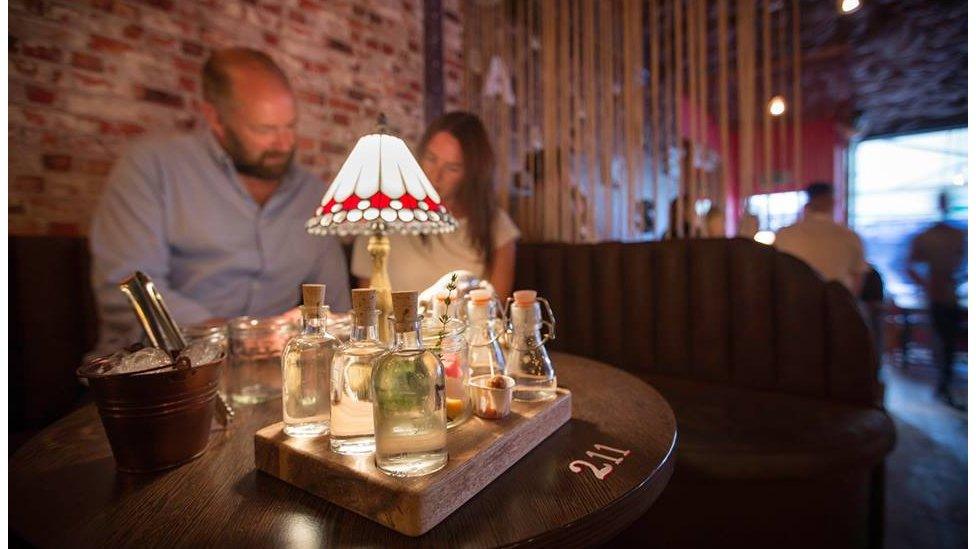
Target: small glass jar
[[449, 343], [214, 334], [254, 362]]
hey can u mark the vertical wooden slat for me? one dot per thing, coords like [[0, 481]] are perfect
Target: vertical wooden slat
[[723, 102], [655, 69], [679, 125], [797, 97], [767, 67]]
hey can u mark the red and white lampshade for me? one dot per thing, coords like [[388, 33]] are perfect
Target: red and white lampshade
[[381, 189]]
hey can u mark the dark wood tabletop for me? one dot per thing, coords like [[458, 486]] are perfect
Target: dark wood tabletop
[[585, 483]]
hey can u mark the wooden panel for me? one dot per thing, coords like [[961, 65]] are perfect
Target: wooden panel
[[709, 303], [671, 311], [751, 293], [638, 287], [852, 364], [607, 299], [800, 338], [479, 451]]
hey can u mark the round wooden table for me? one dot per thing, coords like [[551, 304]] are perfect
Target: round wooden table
[[65, 491]]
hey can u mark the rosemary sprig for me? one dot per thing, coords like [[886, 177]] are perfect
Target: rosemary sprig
[[451, 286]]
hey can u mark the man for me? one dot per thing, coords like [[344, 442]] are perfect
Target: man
[[216, 217], [935, 263], [831, 249]]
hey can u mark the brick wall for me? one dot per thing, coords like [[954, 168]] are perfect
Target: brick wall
[[86, 77]]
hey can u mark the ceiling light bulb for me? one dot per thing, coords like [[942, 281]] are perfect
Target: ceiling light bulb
[[765, 237], [777, 106], [848, 6]]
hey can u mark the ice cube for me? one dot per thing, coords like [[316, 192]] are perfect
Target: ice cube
[[202, 351], [143, 359]]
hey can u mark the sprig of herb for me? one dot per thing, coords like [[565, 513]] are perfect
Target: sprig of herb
[[451, 286]]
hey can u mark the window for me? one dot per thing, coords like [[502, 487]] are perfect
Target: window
[[777, 210], [894, 193]]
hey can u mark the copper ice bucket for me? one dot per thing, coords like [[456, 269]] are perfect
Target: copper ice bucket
[[155, 420]]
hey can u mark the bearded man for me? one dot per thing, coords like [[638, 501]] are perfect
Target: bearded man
[[216, 217]]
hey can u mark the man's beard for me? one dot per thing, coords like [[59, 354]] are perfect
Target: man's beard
[[270, 166]]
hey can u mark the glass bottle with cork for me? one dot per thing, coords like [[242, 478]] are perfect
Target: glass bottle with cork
[[527, 360], [352, 373], [306, 363], [485, 356], [409, 418]]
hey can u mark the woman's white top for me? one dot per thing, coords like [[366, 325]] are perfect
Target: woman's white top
[[416, 265]]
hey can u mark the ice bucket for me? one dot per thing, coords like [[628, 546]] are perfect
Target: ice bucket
[[155, 420]]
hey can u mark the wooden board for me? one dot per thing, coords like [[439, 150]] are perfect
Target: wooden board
[[478, 452]]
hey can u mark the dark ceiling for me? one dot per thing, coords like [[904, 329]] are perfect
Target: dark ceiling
[[893, 66]]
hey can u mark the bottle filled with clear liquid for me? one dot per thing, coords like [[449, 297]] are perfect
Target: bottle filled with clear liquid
[[527, 360], [352, 374], [409, 418], [485, 356], [445, 335], [306, 363]]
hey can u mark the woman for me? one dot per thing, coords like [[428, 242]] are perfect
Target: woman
[[457, 157]]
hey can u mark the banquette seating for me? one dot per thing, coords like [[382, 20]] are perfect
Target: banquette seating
[[771, 373]]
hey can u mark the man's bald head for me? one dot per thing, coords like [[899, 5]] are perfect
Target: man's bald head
[[251, 110], [227, 69]]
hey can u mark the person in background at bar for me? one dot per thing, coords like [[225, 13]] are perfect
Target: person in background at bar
[[830, 248], [457, 157], [935, 261], [216, 217]]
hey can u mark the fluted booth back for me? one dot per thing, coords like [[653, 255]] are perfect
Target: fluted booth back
[[733, 312]]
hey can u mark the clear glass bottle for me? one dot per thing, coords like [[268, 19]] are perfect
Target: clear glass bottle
[[527, 360], [352, 373], [306, 363], [485, 356], [409, 418], [444, 335]]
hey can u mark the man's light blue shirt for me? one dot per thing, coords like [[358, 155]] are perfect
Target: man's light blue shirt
[[175, 208]]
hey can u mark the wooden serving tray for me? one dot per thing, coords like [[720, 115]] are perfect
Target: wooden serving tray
[[478, 452]]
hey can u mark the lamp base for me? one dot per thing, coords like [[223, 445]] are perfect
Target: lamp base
[[379, 280]]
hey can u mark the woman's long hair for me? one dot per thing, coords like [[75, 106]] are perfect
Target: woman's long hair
[[476, 192]]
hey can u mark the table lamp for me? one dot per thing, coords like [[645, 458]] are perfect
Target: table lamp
[[380, 190]]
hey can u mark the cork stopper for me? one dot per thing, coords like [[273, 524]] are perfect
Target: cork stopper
[[313, 295], [363, 304], [405, 309], [313, 300], [480, 297], [524, 298]]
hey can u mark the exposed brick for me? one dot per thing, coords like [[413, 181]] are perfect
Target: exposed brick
[[27, 184], [334, 148], [40, 95], [306, 96], [56, 162], [158, 96], [133, 32], [94, 166], [188, 84], [86, 61], [160, 4], [42, 51], [186, 65], [339, 45], [106, 44], [344, 105], [194, 49], [88, 76], [57, 228]]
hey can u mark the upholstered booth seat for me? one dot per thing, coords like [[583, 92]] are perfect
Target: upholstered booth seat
[[742, 434], [770, 371]]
